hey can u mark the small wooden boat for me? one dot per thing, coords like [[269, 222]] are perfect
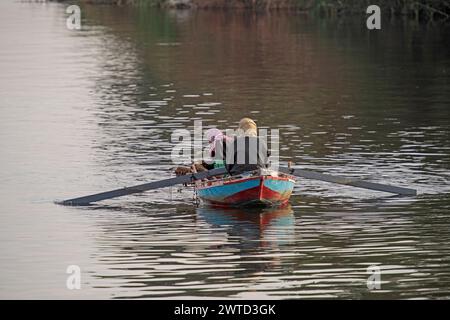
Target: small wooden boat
[[262, 188]]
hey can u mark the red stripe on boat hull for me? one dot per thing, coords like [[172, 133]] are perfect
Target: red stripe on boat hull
[[257, 196]]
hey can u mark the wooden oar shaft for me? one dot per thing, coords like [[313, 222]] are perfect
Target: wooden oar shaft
[[86, 200], [307, 174]]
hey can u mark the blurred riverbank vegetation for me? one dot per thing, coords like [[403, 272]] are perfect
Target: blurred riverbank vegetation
[[424, 10]]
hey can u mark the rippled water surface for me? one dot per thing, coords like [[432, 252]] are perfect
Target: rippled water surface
[[90, 110]]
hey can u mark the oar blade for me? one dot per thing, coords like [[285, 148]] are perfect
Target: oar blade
[[87, 200], [308, 174], [383, 187]]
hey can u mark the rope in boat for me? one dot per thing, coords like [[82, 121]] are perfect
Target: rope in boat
[[196, 199]]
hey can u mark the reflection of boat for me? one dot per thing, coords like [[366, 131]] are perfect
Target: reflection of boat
[[274, 225], [264, 189]]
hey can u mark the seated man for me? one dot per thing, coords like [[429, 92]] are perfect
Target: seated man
[[247, 152]]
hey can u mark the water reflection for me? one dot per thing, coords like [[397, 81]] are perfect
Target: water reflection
[[189, 251], [322, 83], [270, 227], [313, 248]]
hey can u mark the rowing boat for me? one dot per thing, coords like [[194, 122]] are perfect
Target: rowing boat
[[261, 188]]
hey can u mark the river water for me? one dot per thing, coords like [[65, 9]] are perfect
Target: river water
[[91, 110]]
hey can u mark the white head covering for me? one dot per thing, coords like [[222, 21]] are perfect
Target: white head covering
[[247, 127]]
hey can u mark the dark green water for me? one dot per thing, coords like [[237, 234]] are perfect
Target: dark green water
[[86, 111]]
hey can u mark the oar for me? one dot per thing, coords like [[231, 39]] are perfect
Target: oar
[[307, 174], [87, 200]]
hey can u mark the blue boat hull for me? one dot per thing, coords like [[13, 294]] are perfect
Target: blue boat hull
[[251, 191]]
